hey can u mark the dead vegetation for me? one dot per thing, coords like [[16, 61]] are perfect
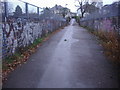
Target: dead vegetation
[[111, 43]]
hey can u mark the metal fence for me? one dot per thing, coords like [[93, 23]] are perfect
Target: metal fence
[[20, 9], [107, 18], [106, 11], [23, 23]]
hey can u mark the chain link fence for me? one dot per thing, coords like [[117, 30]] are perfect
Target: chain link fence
[[107, 18], [106, 11], [22, 23]]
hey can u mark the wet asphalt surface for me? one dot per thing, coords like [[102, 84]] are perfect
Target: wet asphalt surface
[[72, 58]]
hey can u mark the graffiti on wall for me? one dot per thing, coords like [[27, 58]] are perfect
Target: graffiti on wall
[[21, 34], [106, 24], [106, 18]]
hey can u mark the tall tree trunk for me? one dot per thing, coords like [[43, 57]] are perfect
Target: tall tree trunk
[[82, 14]]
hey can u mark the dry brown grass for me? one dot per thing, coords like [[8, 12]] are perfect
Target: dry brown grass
[[111, 43]]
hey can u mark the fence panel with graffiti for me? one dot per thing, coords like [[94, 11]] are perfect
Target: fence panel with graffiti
[[22, 23], [107, 18]]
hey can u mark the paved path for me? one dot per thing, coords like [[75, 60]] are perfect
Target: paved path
[[76, 62]]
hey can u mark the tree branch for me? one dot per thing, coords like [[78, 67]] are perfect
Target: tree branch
[[77, 6]]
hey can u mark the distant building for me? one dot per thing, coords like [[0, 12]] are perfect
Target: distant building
[[63, 11], [73, 14]]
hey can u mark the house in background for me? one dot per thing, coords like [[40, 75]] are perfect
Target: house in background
[[73, 14], [60, 10]]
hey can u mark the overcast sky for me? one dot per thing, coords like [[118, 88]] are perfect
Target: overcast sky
[[65, 3], [71, 3]]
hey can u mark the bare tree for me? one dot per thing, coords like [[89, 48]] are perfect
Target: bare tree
[[86, 7], [80, 6]]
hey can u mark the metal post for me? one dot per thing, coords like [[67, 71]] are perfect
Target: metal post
[[6, 10], [38, 10], [26, 9]]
